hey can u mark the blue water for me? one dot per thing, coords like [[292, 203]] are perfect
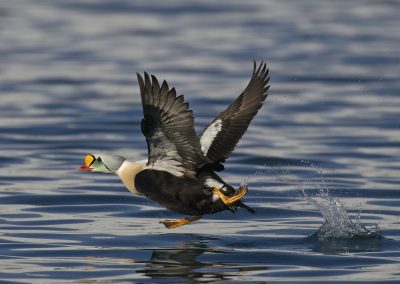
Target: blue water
[[68, 87]]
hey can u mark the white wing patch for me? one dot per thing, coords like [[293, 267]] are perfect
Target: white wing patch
[[209, 135], [166, 166], [171, 163]]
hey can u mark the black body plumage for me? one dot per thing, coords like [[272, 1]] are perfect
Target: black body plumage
[[181, 164], [180, 194]]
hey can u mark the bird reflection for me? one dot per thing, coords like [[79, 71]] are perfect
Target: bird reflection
[[183, 263]]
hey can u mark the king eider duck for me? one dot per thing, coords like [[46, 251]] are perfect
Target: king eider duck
[[180, 171]]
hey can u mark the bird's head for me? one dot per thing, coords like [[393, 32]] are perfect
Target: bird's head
[[102, 163]]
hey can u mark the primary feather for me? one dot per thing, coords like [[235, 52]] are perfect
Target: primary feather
[[168, 126], [220, 138]]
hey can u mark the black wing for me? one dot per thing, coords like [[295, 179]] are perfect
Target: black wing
[[168, 126], [220, 138]]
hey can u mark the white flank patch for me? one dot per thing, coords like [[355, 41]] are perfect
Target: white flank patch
[[214, 183], [209, 135], [210, 182]]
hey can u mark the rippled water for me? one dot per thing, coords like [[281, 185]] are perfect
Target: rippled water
[[68, 87]]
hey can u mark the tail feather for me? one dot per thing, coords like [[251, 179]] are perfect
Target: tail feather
[[248, 208]]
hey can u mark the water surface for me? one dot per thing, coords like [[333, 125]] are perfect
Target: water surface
[[68, 87]]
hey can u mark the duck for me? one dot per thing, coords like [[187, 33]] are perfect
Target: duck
[[180, 172]]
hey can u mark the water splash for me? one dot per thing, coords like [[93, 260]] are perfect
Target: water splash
[[338, 227], [337, 223]]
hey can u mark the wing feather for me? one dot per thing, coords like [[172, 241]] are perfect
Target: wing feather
[[220, 138], [168, 126]]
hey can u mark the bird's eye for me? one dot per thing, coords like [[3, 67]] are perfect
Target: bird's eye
[[99, 159]]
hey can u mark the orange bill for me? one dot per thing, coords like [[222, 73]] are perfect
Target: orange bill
[[89, 159]]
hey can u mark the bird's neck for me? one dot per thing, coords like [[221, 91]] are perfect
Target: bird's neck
[[128, 171]]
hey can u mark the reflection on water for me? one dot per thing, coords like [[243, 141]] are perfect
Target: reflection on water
[[180, 263], [183, 263], [68, 87]]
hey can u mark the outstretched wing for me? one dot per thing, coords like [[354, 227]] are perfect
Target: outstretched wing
[[168, 126], [220, 138]]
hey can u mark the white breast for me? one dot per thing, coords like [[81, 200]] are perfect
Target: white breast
[[127, 173]]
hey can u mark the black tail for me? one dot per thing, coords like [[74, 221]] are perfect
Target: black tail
[[241, 204]]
